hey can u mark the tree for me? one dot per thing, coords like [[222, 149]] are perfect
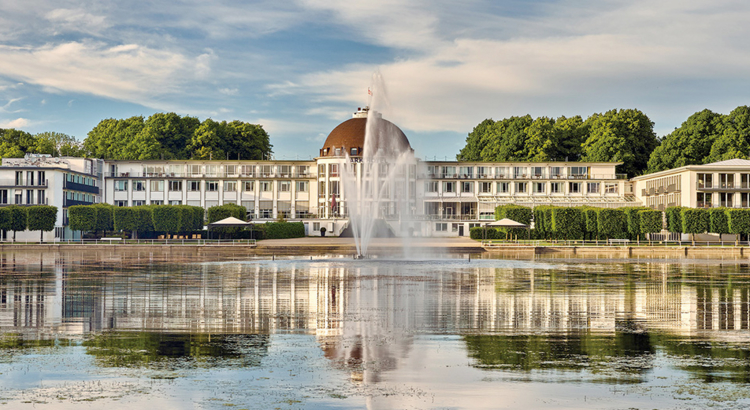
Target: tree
[[674, 218], [5, 220], [15, 143], [104, 217], [110, 138], [166, 218], [124, 219], [651, 221], [476, 141], [625, 136], [57, 144], [689, 144], [734, 141], [18, 218], [42, 218], [568, 223], [82, 218], [695, 220], [738, 221], [507, 141], [633, 221], [718, 222], [612, 223]]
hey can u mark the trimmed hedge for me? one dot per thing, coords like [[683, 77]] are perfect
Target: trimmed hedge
[[5, 219], [651, 221], [695, 220], [674, 218], [104, 217], [612, 223], [124, 219], [543, 222], [18, 219], [167, 218], [591, 221], [568, 223], [634, 220], [143, 219], [738, 221], [477, 232], [191, 218], [717, 220], [281, 230], [82, 218], [517, 213], [41, 218]]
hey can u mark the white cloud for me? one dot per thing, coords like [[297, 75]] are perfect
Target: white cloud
[[76, 20], [17, 123], [229, 91]]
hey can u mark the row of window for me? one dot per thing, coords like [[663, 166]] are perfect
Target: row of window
[[506, 172], [79, 196], [383, 169], [211, 186], [725, 181], [19, 197], [520, 187], [79, 179], [30, 180], [220, 170]]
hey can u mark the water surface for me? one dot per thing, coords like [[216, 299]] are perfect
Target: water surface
[[180, 331]]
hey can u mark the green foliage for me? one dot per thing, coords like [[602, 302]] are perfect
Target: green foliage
[[516, 213], [695, 220], [738, 221], [568, 223], [124, 219], [591, 222], [625, 136], [633, 220], [612, 223], [281, 230], [734, 141], [42, 218], [718, 222], [543, 222], [5, 219], [690, 144], [170, 136], [167, 218], [674, 218], [143, 218], [104, 217], [651, 221], [82, 218], [191, 218], [480, 232], [18, 218], [219, 212]]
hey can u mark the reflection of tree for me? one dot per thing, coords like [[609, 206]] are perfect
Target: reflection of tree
[[124, 349], [628, 352], [710, 361]]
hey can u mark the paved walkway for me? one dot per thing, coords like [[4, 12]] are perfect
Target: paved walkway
[[316, 243]]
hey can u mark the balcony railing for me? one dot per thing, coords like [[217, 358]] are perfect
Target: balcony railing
[[25, 184]]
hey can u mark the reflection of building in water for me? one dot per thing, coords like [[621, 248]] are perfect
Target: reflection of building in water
[[347, 302]]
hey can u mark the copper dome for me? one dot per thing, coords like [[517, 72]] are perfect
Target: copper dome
[[349, 138]]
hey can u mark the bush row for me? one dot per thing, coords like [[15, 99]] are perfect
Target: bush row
[[142, 219], [34, 218]]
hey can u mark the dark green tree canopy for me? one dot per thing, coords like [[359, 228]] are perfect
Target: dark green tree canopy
[[689, 144]]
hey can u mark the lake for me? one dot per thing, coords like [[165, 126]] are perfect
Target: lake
[[175, 330]]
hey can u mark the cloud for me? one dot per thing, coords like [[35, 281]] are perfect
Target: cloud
[[6, 108], [76, 20], [17, 123], [229, 91]]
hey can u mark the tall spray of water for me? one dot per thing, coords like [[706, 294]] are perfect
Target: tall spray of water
[[382, 187]]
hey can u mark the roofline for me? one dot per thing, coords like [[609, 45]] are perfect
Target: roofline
[[693, 167], [521, 162]]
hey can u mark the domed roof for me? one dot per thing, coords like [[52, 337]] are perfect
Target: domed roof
[[349, 136]]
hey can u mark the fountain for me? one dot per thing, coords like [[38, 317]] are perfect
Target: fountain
[[385, 185]]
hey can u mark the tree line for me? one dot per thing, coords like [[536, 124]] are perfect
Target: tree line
[[160, 136], [40, 218], [625, 135]]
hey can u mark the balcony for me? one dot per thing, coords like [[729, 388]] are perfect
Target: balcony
[[24, 184], [70, 202], [43, 202], [75, 186]]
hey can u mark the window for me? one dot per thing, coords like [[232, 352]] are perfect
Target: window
[[501, 172], [301, 186], [121, 203], [519, 172], [704, 200], [593, 188], [555, 172], [466, 172], [577, 172], [482, 172], [175, 202], [538, 187], [175, 186], [211, 170], [520, 187], [265, 209], [139, 203], [121, 185], [285, 170], [555, 188], [316, 226], [503, 187], [196, 170], [248, 186], [247, 170], [230, 186], [285, 186], [705, 181], [194, 186], [265, 186], [441, 227], [537, 172], [302, 170], [139, 186], [431, 186], [157, 186], [353, 151], [611, 188], [337, 152], [449, 187], [485, 187], [19, 177], [157, 202], [449, 172], [574, 187], [40, 197], [467, 187], [333, 188], [212, 186], [454, 227], [266, 170], [232, 170]]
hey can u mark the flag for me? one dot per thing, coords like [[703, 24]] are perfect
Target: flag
[[369, 92]]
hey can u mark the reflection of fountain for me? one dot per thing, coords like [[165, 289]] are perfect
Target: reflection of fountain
[[385, 183]]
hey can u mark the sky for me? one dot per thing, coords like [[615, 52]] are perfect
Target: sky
[[301, 67]]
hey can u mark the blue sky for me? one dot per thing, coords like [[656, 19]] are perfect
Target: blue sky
[[299, 68]]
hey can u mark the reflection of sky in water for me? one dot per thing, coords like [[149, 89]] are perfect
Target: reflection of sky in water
[[338, 333]]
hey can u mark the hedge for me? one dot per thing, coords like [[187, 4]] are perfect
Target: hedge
[[143, 219], [167, 218], [568, 223], [718, 222], [104, 217], [479, 233], [41, 218], [191, 218], [281, 230], [738, 221], [124, 219], [542, 222], [633, 220], [5, 219], [674, 218], [651, 221], [82, 218], [18, 219], [695, 220], [590, 217], [516, 213], [612, 223]]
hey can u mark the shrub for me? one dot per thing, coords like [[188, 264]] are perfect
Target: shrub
[[738, 221], [281, 230], [695, 220], [516, 213], [674, 218], [18, 219], [104, 217], [42, 218], [82, 218], [567, 223], [124, 219], [143, 219], [543, 222], [5, 219], [717, 220], [651, 221], [166, 218], [612, 223], [591, 221], [634, 220], [478, 232]]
